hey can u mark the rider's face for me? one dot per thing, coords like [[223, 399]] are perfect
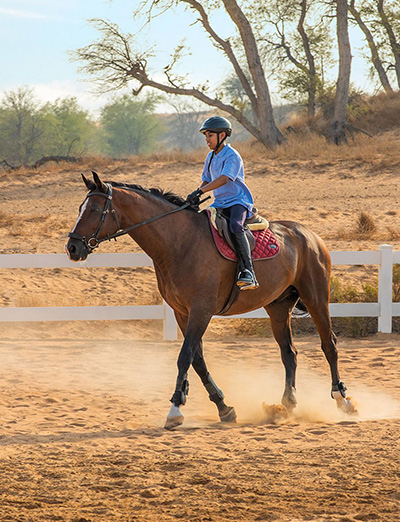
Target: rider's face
[[212, 139]]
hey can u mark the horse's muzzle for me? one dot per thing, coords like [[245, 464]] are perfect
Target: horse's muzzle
[[76, 250]]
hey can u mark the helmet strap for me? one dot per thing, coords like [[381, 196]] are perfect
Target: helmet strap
[[219, 143], [209, 163]]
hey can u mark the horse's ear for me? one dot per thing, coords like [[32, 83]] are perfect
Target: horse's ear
[[99, 184], [89, 184]]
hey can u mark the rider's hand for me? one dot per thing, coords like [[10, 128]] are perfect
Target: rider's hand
[[194, 197]]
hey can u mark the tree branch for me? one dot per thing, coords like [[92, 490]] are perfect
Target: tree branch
[[112, 62], [226, 47]]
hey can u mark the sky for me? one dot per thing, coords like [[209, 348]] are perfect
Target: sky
[[37, 35]]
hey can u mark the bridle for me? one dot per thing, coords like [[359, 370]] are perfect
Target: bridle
[[93, 241]]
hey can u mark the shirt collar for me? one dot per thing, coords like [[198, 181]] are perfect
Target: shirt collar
[[223, 152]]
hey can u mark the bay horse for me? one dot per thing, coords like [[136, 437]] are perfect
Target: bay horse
[[196, 281]]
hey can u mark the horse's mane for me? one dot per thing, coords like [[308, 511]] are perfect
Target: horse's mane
[[157, 192]]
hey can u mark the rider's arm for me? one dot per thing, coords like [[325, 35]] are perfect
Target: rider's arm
[[216, 183]]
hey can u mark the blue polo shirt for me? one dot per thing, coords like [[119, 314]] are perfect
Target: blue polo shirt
[[228, 163]]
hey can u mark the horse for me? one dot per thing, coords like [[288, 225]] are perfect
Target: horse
[[196, 281]]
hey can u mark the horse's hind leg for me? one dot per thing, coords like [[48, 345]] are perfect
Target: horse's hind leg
[[279, 313], [317, 303]]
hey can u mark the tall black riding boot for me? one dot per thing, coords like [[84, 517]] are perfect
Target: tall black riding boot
[[247, 279]]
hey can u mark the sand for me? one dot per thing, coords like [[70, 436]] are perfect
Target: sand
[[83, 404], [82, 434]]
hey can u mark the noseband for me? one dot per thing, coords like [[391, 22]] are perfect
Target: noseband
[[93, 241]]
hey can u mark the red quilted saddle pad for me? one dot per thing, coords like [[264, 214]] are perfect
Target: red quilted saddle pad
[[267, 245]]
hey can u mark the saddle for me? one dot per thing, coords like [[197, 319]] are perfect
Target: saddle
[[221, 223]]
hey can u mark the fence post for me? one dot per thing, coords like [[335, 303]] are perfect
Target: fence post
[[170, 328], [385, 282]]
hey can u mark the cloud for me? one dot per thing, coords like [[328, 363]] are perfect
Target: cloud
[[19, 13]]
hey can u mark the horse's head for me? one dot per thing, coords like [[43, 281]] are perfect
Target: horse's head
[[96, 221]]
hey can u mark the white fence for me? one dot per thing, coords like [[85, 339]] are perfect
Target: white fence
[[85, 313], [384, 309]]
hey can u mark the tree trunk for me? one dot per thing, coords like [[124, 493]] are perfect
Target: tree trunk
[[394, 44], [336, 131], [312, 74], [376, 61], [270, 134]]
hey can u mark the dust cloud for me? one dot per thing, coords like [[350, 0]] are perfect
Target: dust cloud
[[144, 373]]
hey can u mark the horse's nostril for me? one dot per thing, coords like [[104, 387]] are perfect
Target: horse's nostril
[[72, 249]]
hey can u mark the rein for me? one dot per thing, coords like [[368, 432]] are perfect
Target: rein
[[93, 241]]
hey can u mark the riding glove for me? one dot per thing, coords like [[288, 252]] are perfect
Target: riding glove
[[194, 197]]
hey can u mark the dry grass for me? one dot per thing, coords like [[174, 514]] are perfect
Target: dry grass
[[305, 142], [377, 154], [393, 233], [364, 228], [365, 224], [379, 113]]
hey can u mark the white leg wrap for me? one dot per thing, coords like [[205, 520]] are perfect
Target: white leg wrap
[[174, 412], [174, 418]]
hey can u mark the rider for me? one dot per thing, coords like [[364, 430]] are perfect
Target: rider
[[223, 173]]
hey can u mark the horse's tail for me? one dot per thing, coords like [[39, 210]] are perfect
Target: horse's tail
[[300, 310]]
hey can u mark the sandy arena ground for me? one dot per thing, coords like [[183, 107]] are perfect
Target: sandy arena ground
[[82, 435], [83, 404]]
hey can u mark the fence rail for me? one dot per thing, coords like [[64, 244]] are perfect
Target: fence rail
[[384, 309]]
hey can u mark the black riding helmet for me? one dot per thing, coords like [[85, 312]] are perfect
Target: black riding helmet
[[217, 124]]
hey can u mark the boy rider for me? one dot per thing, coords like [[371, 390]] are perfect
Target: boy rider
[[223, 173]]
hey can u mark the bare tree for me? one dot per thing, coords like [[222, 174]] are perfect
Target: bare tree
[[376, 59], [113, 63], [336, 131]]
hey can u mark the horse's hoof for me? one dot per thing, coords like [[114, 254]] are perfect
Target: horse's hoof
[[347, 405], [173, 422], [229, 415], [350, 407]]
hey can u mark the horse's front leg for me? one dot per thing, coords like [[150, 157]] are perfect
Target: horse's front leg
[[195, 329], [215, 394]]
